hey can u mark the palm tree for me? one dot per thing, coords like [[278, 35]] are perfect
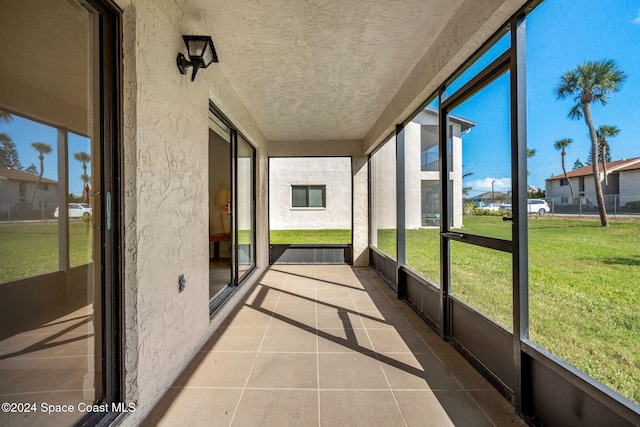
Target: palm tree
[[86, 188], [84, 158], [591, 82], [5, 117], [43, 149], [602, 133], [530, 153], [560, 145]]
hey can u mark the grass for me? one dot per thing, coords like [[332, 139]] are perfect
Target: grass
[[322, 237], [584, 296], [31, 249]]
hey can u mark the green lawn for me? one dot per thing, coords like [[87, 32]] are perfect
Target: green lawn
[[322, 237], [30, 249], [584, 288]]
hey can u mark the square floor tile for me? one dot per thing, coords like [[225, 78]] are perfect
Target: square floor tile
[[285, 370], [440, 408], [294, 319], [343, 340], [338, 319], [417, 371], [295, 408], [289, 340], [248, 317], [397, 341], [217, 369], [194, 407], [351, 371], [235, 339], [359, 408]]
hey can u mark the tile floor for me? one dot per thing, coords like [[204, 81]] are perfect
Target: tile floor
[[331, 346], [50, 362]]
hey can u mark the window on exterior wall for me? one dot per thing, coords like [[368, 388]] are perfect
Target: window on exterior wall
[[300, 211], [308, 196], [583, 277]]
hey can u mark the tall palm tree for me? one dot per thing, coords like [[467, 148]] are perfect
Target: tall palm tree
[[84, 158], [591, 82], [561, 146], [602, 133], [43, 149], [86, 188]]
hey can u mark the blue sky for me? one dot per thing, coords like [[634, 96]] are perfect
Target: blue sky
[[560, 35], [23, 132]]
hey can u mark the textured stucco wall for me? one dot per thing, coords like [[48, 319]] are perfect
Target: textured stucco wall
[[166, 198], [412, 195], [360, 182], [332, 172]]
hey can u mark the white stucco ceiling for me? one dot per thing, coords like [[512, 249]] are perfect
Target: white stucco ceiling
[[319, 69], [48, 47]]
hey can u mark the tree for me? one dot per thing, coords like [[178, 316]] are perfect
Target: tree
[[8, 153], [466, 190], [84, 158], [530, 153], [598, 156], [32, 169], [5, 117], [561, 146], [577, 164], [602, 133], [591, 82], [43, 149]]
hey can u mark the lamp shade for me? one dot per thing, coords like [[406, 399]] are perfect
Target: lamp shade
[[201, 50]]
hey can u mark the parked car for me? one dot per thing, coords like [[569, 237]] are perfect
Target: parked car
[[77, 210], [494, 207], [538, 206]]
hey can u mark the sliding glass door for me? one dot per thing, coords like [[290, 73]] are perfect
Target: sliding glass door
[[231, 208], [59, 289]]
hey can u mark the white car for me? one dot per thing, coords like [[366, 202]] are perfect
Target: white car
[[77, 210], [494, 207], [538, 206]]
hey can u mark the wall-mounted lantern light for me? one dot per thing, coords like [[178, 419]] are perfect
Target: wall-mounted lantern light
[[201, 53]]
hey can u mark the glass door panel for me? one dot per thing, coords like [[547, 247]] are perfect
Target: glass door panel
[[245, 198], [481, 278], [51, 286], [480, 225], [220, 227]]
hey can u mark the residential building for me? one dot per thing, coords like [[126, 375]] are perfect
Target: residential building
[[622, 186], [333, 175], [16, 189]]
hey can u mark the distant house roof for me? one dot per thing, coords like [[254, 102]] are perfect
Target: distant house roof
[[16, 175], [495, 195], [464, 123], [615, 166]]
